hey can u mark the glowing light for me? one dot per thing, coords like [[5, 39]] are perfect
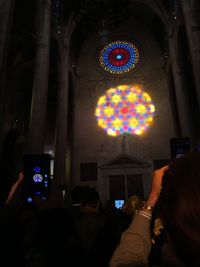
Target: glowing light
[[150, 119], [138, 132], [117, 123], [119, 57], [131, 97], [37, 178], [37, 169], [97, 112], [146, 97], [141, 109], [133, 123], [111, 132], [108, 111], [102, 100], [122, 87], [125, 109], [116, 99], [102, 123], [152, 108]]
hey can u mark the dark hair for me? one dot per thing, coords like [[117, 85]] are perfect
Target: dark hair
[[180, 207], [76, 194], [90, 197]]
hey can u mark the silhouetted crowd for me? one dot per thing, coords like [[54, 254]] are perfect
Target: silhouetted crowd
[[163, 230]]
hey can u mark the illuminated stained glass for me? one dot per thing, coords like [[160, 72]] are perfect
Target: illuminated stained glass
[[125, 109], [119, 57]]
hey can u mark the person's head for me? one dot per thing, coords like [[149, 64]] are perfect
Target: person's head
[[56, 234], [180, 206], [131, 205], [90, 197], [76, 194]]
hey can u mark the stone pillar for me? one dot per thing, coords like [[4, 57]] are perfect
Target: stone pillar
[[185, 121], [62, 115], [37, 127], [61, 146], [6, 14], [191, 11]]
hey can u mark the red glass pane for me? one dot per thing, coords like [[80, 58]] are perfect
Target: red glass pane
[[119, 56]]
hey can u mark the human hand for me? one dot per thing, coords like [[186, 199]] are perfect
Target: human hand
[[156, 185], [55, 199], [14, 195]]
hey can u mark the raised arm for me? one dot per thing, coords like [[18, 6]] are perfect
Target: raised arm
[[135, 243]]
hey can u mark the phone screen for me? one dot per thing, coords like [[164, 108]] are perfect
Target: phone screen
[[119, 203], [36, 168]]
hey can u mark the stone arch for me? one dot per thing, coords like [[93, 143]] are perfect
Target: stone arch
[[159, 10]]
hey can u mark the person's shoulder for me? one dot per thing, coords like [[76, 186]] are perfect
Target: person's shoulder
[[94, 216]]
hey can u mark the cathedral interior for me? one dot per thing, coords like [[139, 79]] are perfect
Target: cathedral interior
[[101, 85]]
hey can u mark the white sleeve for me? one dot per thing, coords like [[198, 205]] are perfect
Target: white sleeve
[[135, 244]]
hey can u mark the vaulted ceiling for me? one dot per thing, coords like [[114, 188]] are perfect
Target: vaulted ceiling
[[90, 15]]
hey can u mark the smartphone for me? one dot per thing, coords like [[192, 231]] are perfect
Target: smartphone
[[36, 169], [119, 203], [179, 146]]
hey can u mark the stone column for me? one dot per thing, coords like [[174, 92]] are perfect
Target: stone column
[[191, 11], [6, 14], [37, 127], [60, 166], [185, 120], [61, 115]]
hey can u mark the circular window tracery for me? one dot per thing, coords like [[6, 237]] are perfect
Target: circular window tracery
[[119, 57], [125, 109]]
